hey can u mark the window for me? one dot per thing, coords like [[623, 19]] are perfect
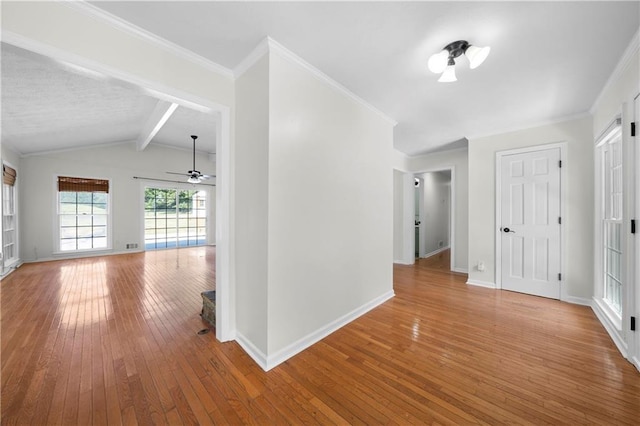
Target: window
[[9, 236], [174, 218], [83, 212], [611, 222]]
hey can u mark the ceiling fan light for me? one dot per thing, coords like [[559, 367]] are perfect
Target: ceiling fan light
[[477, 55], [438, 62], [449, 75], [193, 179]]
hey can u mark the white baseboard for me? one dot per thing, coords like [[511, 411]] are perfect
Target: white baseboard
[[479, 283], [461, 270], [401, 262], [82, 255], [433, 253], [578, 301], [267, 362], [258, 356], [636, 361], [610, 327]]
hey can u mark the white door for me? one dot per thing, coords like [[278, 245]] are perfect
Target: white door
[[530, 228]]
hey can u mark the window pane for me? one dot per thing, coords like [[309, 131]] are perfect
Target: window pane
[[84, 231], [84, 243], [84, 220], [85, 197], [66, 208], [84, 209], [100, 242], [100, 198], [68, 220], [100, 220], [99, 208], [68, 197], [68, 232], [99, 231], [66, 245]]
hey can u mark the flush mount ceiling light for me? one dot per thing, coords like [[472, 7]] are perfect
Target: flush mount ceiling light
[[444, 62]]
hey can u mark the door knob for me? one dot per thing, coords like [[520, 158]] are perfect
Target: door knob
[[508, 230]]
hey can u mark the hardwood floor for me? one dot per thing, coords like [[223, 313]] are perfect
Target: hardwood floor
[[112, 340], [438, 262]]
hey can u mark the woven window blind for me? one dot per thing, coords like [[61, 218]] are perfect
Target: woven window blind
[[75, 184], [8, 175]]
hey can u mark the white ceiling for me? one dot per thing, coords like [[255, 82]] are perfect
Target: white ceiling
[[549, 60], [49, 105]]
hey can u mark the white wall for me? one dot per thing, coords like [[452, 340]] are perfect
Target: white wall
[[118, 163], [458, 160], [251, 171], [436, 188], [578, 201], [403, 217], [330, 206]]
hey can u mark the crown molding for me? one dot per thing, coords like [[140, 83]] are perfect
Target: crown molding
[[270, 45], [622, 65], [293, 58], [254, 56], [127, 27]]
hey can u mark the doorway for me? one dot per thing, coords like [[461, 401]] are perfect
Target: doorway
[[434, 212], [528, 210]]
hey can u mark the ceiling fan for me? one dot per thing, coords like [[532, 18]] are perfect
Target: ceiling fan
[[194, 175]]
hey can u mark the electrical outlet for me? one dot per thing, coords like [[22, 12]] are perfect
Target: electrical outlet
[[480, 266]]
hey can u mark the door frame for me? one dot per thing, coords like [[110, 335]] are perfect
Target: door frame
[[498, 210], [452, 211]]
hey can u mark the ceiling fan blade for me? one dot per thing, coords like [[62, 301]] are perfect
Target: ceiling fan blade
[[207, 176], [181, 174]]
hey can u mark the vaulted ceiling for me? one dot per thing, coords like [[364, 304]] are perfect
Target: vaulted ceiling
[[548, 61]]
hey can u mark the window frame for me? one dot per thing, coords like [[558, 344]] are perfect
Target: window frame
[[5, 262], [58, 219], [604, 217]]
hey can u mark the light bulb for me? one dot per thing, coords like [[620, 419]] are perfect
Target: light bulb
[[438, 62], [449, 75], [476, 55]]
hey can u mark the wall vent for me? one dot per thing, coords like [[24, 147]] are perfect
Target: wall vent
[[131, 246]]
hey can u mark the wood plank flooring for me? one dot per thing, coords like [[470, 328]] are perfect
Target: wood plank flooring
[[112, 340]]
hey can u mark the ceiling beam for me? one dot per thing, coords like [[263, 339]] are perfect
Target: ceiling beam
[[156, 120]]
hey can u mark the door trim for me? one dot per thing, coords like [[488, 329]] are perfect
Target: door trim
[[498, 214], [452, 212]]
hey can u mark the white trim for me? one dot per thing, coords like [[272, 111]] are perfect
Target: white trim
[[563, 211], [77, 148], [543, 123], [479, 283], [81, 255], [153, 88], [131, 29], [301, 344], [433, 253], [402, 262], [578, 301], [622, 65], [254, 56], [452, 211], [609, 327], [256, 354], [295, 59]]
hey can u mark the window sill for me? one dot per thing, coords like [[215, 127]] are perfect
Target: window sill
[[612, 316], [73, 253]]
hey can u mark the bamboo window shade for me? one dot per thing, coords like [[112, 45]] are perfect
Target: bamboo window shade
[[75, 184], [8, 175]]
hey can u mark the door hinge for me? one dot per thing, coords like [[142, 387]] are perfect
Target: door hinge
[[633, 128], [559, 277], [633, 226], [560, 163], [633, 323], [559, 220]]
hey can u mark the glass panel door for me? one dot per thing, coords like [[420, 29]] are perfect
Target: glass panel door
[[174, 218]]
